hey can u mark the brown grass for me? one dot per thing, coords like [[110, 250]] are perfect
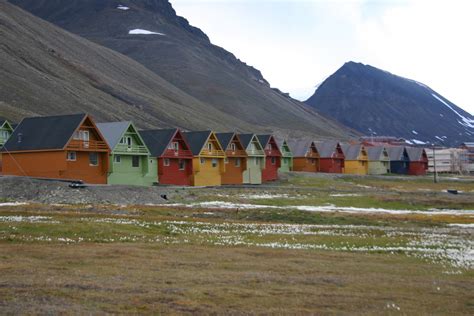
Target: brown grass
[[143, 278]]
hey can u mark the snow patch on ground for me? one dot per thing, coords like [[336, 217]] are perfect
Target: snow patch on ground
[[462, 225], [464, 120], [343, 195], [12, 204], [324, 208], [143, 32]]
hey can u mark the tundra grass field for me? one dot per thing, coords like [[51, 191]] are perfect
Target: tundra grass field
[[309, 244]]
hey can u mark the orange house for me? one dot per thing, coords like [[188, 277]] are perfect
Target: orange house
[[66, 147], [235, 158], [305, 156]]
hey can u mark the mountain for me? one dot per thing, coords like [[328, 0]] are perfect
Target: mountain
[[376, 102], [150, 32], [45, 70]]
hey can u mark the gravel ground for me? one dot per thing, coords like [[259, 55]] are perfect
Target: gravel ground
[[20, 189]]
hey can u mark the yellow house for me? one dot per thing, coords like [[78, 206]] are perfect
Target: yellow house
[[356, 159], [208, 158]]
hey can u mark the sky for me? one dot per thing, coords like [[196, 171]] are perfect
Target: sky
[[297, 44]]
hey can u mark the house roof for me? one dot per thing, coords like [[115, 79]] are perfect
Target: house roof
[[264, 139], [351, 152], [415, 153], [225, 139], [113, 131], [197, 140], [245, 139], [326, 148], [374, 152], [157, 140], [395, 152], [43, 133], [300, 147]]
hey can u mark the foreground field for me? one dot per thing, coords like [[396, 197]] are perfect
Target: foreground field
[[350, 245]]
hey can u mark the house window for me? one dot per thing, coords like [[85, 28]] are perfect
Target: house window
[[232, 146], [268, 147], [117, 159], [173, 146], [226, 160], [237, 162], [257, 161], [182, 164], [93, 159], [81, 135], [135, 161], [209, 146], [166, 162], [214, 163], [71, 156], [313, 161], [274, 160], [203, 161]]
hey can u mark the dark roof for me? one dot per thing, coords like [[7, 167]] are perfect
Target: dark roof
[[245, 139], [197, 140], [264, 139], [395, 152], [157, 140], [113, 131], [225, 139], [375, 152], [43, 133], [415, 153], [326, 148], [300, 147]]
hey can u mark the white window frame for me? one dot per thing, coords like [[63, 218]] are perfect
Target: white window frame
[[226, 160], [176, 146], [166, 162], [69, 158], [117, 159], [202, 161], [214, 163], [273, 160], [209, 147], [237, 162], [232, 147]]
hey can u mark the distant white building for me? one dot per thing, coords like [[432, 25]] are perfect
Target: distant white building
[[468, 156], [448, 160]]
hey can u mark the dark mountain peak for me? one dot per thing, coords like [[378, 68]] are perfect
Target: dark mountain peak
[[375, 101]]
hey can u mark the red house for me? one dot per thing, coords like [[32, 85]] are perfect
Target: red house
[[331, 157], [272, 157], [418, 163], [174, 157]]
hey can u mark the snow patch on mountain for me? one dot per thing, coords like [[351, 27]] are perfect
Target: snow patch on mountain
[[414, 132], [465, 121], [122, 7], [418, 142], [144, 32]]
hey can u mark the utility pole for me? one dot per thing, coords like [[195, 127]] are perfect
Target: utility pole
[[435, 175]]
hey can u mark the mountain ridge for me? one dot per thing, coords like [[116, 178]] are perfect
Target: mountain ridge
[[198, 101], [377, 102]]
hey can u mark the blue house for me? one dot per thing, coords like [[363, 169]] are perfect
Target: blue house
[[399, 159]]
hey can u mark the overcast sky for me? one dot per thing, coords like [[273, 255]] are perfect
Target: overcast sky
[[298, 43]]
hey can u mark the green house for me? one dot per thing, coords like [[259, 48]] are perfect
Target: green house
[[379, 160], [130, 160], [6, 130], [287, 156], [255, 159]]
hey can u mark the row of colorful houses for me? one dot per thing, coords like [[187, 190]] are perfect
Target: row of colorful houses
[[74, 147]]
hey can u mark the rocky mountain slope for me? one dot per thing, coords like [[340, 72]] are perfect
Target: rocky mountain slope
[[220, 85], [376, 102]]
